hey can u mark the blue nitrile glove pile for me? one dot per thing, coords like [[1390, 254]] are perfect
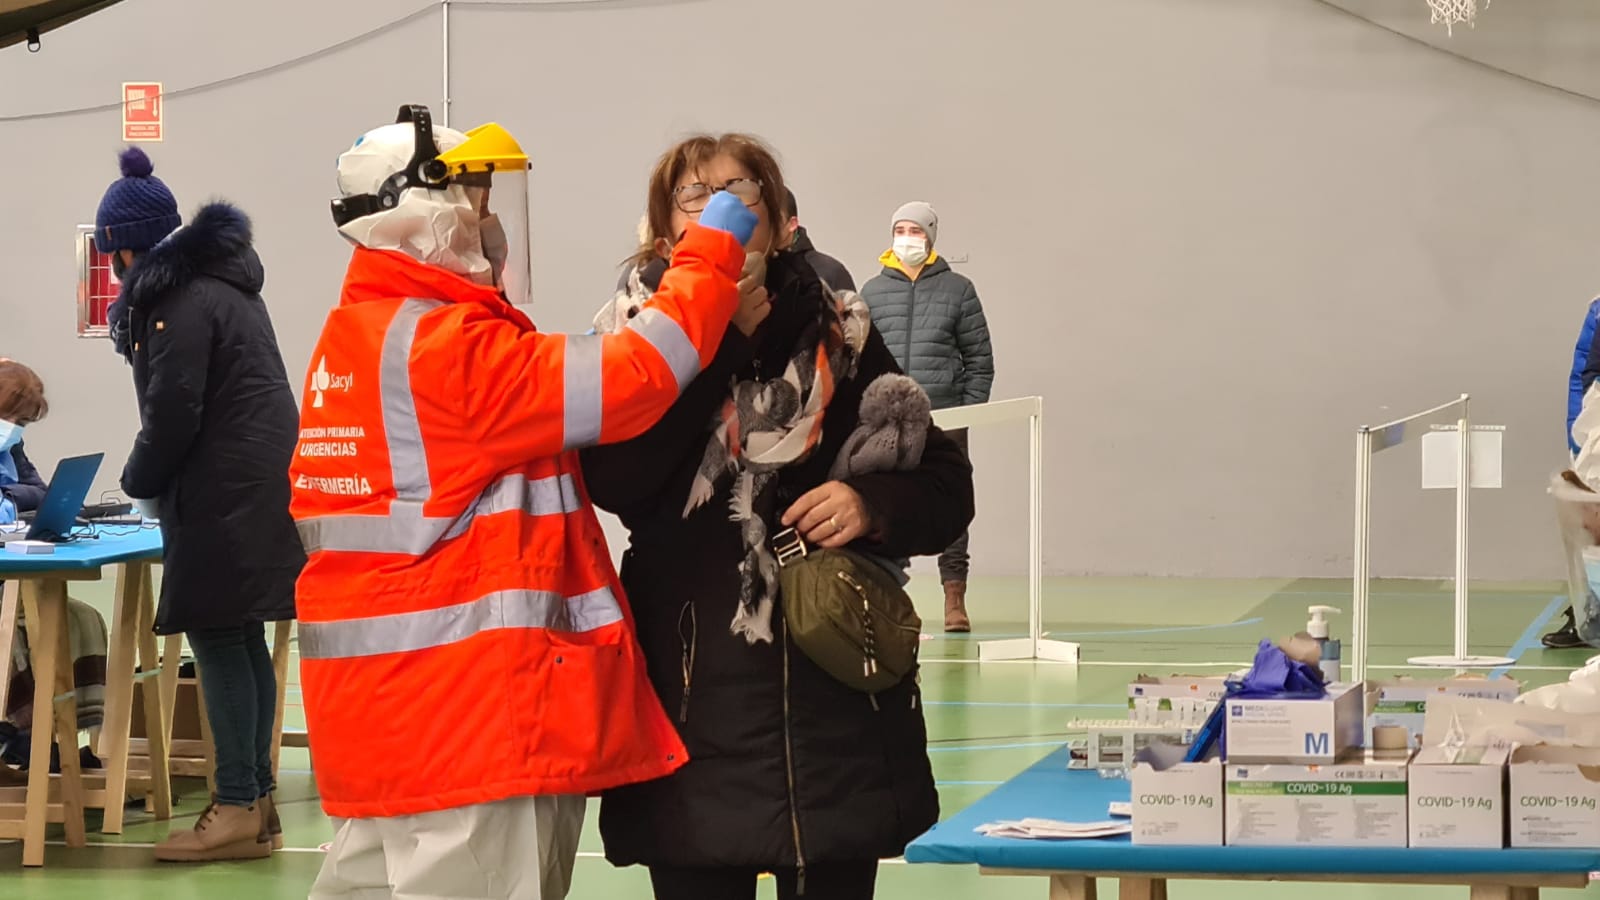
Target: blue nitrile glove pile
[[1273, 674], [8, 511]]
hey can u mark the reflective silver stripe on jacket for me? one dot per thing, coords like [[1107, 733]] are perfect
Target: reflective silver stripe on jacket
[[415, 534], [670, 340], [408, 460], [583, 391], [405, 529], [425, 629], [583, 373]]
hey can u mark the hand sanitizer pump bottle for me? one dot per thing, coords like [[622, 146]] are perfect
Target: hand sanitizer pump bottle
[[1318, 629]]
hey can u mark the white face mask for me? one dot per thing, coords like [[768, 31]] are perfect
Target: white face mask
[[10, 435], [912, 251]]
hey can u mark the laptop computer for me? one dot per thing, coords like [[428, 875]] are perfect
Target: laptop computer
[[56, 516]]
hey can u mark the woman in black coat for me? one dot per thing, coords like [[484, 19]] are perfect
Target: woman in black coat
[[218, 425], [790, 771]]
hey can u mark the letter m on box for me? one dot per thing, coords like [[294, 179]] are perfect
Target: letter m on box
[[1317, 744]]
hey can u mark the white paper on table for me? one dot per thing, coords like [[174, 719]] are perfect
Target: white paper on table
[[1052, 830], [1441, 459]]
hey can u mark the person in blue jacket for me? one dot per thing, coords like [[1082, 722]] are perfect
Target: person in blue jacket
[[21, 404], [1585, 367]]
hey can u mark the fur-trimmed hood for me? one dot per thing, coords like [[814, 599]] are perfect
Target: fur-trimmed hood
[[216, 244]]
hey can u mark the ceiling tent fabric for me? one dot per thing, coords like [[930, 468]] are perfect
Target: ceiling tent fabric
[[19, 17]]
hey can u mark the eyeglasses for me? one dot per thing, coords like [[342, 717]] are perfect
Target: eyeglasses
[[692, 198]]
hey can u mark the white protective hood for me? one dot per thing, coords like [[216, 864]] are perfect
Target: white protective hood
[[436, 227]]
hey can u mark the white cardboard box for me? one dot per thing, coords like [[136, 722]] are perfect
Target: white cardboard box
[[1358, 803], [1555, 797], [1458, 797], [1178, 807], [1404, 701], [1187, 699], [1295, 731]]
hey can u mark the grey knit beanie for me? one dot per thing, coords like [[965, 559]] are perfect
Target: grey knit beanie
[[922, 214]]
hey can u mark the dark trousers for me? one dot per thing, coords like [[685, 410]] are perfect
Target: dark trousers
[[954, 561], [824, 881], [241, 695]]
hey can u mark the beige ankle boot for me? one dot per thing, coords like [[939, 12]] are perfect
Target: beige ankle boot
[[955, 608], [271, 827], [223, 832]]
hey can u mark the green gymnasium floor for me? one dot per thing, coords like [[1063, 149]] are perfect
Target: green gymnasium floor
[[986, 723]]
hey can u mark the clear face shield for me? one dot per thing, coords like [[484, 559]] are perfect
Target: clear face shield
[[501, 200]]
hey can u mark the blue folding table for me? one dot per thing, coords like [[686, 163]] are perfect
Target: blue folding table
[[38, 584], [1049, 790]]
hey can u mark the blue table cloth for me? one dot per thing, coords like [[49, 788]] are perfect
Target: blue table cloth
[[113, 544], [1050, 791]]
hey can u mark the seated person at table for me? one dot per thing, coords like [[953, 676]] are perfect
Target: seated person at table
[[22, 403]]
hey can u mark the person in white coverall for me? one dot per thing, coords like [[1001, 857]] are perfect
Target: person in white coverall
[[454, 561]]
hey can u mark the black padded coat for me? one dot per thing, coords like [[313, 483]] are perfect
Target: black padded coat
[[218, 425], [787, 766]]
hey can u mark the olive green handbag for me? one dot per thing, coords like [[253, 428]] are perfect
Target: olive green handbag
[[847, 614]]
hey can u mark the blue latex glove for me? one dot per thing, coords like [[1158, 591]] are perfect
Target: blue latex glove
[[8, 511], [728, 213], [1275, 674]]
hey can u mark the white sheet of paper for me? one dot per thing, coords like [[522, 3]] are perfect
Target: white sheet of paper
[[1441, 459]]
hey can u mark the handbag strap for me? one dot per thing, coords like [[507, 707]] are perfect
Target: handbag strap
[[790, 547]]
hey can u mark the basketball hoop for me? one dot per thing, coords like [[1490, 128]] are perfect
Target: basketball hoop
[[1451, 13]]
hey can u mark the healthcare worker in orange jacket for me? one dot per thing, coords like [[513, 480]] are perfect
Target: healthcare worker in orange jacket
[[468, 659]]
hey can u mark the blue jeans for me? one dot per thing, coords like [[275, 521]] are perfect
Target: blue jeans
[[241, 694]]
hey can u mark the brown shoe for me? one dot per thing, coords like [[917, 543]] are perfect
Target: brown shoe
[[271, 827], [955, 608], [223, 832]]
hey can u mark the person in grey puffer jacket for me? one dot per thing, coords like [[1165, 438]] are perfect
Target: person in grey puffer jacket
[[932, 321]]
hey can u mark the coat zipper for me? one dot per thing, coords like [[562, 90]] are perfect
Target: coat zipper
[[869, 638], [911, 320], [788, 759], [689, 645]]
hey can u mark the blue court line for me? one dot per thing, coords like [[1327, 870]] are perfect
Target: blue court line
[[1530, 635], [1024, 704], [1056, 744]]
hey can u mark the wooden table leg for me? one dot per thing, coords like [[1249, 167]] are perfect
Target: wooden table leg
[[1503, 892], [45, 609], [1142, 889], [280, 671], [1072, 887], [119, 692], [157, 672], [54, 594], [171, 663], [10, 602]]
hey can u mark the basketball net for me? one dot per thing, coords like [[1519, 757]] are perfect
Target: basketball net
[[1451, 13]]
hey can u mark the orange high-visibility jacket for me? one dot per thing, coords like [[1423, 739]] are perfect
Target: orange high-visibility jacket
[[463, 634]]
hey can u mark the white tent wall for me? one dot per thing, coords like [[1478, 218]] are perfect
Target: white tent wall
[[1215, 235]]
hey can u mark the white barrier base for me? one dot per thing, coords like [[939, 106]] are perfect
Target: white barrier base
[[1461, 662], [1026, 648]]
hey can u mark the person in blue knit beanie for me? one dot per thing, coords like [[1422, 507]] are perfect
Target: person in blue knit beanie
[[217, 430], [137, 212]]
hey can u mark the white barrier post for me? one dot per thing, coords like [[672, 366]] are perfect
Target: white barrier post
[[1035, 645], [1369, 443]]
